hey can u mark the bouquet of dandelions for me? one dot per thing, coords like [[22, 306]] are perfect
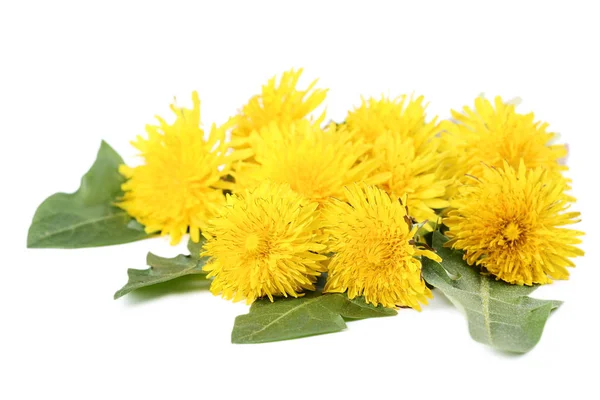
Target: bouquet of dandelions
[[315, 224]]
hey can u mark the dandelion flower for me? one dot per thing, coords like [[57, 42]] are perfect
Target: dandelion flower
[[407, 146], [281, 103], [375, 251], [494, 133], [404, 117], [316, 163], [413, 172], [179, 185], [512, 222], [263, 243]]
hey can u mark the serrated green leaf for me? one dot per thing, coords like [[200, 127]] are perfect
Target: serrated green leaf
[[86, 218], [163, 270], [290, 318], [500, 315]]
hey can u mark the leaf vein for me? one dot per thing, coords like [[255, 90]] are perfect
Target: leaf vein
[[279, 318], [75, 226], [484, 287]]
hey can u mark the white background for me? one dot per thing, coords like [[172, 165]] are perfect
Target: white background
[[73, 74]]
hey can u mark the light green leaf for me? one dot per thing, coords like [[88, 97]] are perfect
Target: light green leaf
[[164, 269], [500, 315], [290, 318], [86, 218], [195, 248]]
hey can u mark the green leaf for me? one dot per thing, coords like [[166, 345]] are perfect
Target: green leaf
[[358, 309], [290, 318], [195, 248], [164, 269], [500, 315], [86, 218]]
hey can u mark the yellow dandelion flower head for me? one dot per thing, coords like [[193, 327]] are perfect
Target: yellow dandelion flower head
[[495, 133], [414, 171], [404, 116], [179, 185], [316, 163], [280, 102], [375, 252], [512, 222], [263, 243]]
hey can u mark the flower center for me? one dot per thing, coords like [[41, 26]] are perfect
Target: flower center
[[381, 252], [374, 257], [512, 232], [252, 242]]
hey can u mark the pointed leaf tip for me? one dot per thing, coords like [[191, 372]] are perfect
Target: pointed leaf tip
[[86, 218], [162, 270]]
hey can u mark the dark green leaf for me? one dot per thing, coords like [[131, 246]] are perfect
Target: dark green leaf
[[290, 318], [162, 270], [358, 309], [500, 314], [86, 218]]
